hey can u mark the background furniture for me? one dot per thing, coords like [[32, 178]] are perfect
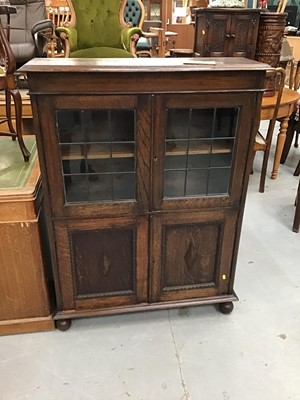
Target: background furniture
[[269, 42], [181, 53], [263, 143], [155, 10], [290, 10], [294, 42], [184, 29], [24, 296], [287, 105], [30, 31], [59, 13], [134, 15], [293, 128], [27, 122], [147, 176], [8, 85], [226, 32], [98, 30]]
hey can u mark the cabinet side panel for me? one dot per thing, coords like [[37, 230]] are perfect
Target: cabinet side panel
[[23, 286]]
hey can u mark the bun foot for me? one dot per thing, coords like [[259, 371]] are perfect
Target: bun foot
[[63, 324], [226, 308]]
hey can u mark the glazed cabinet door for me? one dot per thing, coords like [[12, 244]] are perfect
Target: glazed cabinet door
[[101, 263], [192, 255], [97, 158], [212, 35], [243, 35], [201, 150]]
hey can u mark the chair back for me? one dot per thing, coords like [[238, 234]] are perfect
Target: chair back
[[134, 13], [59, 12], [279, 76], [98, 24], [295, 79]]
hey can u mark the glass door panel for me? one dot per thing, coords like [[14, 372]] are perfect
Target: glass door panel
[[153, 10], [97, 149], [199, 147]]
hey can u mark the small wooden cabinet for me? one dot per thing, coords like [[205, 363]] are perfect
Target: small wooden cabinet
[[221, 32], [145, 167], [24, 291]]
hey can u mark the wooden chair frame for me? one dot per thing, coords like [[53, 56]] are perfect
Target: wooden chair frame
[[296, 222], [264, 143]]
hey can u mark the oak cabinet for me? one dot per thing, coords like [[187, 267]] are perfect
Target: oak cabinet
[[145, 176], [223, 32]]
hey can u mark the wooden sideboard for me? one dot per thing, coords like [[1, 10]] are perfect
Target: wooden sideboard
[[145, 165]]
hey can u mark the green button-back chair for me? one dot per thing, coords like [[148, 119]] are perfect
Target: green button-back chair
[[97, 30]]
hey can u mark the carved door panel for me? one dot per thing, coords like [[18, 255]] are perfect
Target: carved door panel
[[192, 255], [218, 35], [102, 263], [244, 28]]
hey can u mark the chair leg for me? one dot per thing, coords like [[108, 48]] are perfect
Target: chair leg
[[297, 211], [18, 112], [288, 140], [8, 113], [252, 162], [296, 139], [297, 170], [264, 170]]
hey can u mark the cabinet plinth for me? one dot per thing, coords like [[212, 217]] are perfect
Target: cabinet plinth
[[145, 165]]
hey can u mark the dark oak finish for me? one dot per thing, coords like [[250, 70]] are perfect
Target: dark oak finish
[[145, 168], [226, 32]]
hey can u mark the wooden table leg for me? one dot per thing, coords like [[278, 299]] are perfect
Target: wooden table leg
[[279, 145]]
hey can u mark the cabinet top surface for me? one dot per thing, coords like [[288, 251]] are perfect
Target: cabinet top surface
[[134, 65], [232, 10]]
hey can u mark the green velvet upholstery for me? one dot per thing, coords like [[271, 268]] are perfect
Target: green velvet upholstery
[[101, 52], [98, 32]]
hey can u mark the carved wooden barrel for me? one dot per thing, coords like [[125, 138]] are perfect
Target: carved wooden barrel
[[269, 41]]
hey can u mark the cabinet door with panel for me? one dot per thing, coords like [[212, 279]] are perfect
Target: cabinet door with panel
[[212, 34], [102, 263], [243, 35], [192, 255], [98, 154], [201, 148]]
